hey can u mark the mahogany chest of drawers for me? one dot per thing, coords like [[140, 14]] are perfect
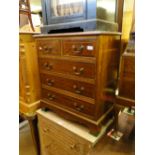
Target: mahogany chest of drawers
[[77, 70]]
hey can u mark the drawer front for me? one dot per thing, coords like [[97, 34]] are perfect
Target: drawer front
[[49, 47], [56, 140], [69, 85], [128, 64], [68, 67], [127, 88], [79, 47], [69, 102]]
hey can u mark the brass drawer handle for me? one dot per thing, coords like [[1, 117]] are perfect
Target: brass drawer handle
[[47, 50], [78, 72], [50, 82], [51, 97], [78, 107], [78, 90], [77, 50], [40, 48], [46, 130], [73, 146], [47, 66]]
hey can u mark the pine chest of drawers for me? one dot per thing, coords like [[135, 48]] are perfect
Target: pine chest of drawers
[[78, 72], [29, 88]]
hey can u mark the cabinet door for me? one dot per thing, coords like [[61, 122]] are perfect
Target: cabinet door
[[60, 11]]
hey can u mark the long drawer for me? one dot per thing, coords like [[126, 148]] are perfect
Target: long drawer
[[73, 104], [68, 67], [74, 86]]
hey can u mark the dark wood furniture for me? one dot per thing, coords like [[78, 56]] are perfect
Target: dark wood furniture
[[126, 85], [84, 15], [127, 80], [24, 8], [78, 75]]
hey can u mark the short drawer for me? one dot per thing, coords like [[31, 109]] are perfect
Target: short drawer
[[49, 47], [69, 102], [81, 47], [68, 67], [74, 86]]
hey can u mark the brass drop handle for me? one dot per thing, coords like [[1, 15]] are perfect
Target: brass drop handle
[[76, 72], [78, 91], [77, 50], [50, 82], [45, 130], [47, 66], [73, 146], [51, 97], [78, 107], [46, 50]]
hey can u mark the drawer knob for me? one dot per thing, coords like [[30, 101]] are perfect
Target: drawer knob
[[78, 72], [50, 82], [47, 66], [40, 48], [51, 97], [77, 50]]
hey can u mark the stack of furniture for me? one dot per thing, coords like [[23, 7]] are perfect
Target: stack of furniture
[[78, 73]]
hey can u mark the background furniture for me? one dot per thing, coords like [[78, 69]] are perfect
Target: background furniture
[[29, 85], [78, 74], [62, 137], [24, 8], [81, 15]]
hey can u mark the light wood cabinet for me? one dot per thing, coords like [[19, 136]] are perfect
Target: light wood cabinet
[[59, 136], [29, 85]]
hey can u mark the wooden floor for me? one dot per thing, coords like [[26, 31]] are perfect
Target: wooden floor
[[106, 146]]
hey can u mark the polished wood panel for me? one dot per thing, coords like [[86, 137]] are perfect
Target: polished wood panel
[[74, 86], [68, 67], [107, 72], [79, 47], [75, 105]]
